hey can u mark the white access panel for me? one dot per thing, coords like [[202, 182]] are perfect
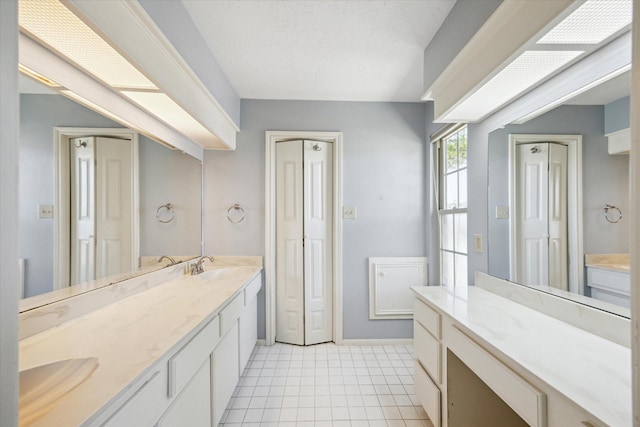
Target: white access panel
[[390, 280]]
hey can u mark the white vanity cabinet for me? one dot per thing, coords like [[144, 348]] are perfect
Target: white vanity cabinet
[[193, 406], [468, 357], [192, 386], [609, 285]]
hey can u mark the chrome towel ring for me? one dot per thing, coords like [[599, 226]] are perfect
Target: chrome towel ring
[[165, 213], [612, 213], [236, 214]]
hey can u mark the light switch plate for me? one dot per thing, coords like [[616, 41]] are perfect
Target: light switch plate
[[349, 212], [502, 212], [45, 211], [478, 243]]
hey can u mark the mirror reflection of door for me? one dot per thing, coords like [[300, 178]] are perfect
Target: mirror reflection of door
[[541, 214], [101, 193]]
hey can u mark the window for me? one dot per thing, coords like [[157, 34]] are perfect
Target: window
[[452, 207]]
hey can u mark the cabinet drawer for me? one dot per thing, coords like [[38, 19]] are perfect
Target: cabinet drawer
[[528, 402], [145, 406], [611, 281], [230, 314], [427, 351], [252, 289], [189, 358], [428, 394], [427, 317]]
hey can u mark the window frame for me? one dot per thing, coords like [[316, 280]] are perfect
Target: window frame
[[440, 173]]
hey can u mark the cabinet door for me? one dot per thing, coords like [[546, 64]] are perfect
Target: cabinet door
[[248, 332], [225, 372], [192, 407]]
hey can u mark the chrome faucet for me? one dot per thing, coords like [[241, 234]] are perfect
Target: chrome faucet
[[198, 267], [171, 260]]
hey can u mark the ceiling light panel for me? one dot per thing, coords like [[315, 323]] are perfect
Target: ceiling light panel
[[54, 25], [521, 74], [166, 109], [591, 23]]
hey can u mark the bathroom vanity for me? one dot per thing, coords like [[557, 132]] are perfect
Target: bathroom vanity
[[487, 357], [609, 278], [170, 355]]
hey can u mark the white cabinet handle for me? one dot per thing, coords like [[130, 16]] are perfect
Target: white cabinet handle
[[382, 274]]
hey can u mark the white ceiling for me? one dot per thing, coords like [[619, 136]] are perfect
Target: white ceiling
[[321, 50]]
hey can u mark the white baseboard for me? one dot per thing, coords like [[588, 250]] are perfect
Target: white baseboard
[[261, 342], [388, 341]]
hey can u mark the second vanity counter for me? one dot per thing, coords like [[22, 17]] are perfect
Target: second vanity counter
[[583, 379], [128, 338]]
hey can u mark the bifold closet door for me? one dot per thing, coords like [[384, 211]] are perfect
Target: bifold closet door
[[542, 214], [304, 242], [289, 251]]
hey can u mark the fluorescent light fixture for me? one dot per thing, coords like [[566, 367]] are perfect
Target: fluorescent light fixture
[[37, 76], [52, 24], [166, 109], [571, 95], [108, 114], [524, 72], [591, 23]]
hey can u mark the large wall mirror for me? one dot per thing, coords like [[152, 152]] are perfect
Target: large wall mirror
[[150, 197], [558, 216]]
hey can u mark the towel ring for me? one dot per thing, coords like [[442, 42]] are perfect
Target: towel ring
[[615, 217], [165, 213], [236, 214]]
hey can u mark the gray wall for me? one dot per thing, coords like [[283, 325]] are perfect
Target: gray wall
[[617, 115], [169, 176], [384, 177], [175, 23], [165, 175], [462, 22], [8, 214], [605, 179]]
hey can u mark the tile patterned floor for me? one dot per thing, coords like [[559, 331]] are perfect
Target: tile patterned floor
[[327, 385]]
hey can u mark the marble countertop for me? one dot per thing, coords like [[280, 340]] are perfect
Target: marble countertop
[[589, 370], [613, 262], [127, 338]]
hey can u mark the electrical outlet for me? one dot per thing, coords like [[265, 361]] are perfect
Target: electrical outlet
[[45, 211], [502, 212], [478, 243], [349, 212]]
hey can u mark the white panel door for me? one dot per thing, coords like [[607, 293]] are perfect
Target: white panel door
[[289, 250], [318, 242], [558, 274], [114, 187], [532, 210], [82, 159]]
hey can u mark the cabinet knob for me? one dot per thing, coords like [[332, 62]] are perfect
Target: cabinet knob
[[382, 274]]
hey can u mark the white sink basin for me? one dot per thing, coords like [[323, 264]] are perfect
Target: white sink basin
[[42, 386], [224, 273]]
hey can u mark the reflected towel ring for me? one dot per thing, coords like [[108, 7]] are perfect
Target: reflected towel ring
[[165, 213], [614, 217], [236, 214]]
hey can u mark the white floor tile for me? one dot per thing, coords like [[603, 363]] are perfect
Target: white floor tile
[[327, 386]]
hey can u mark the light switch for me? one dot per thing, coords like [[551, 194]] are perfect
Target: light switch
[[45, 211], [502, 212], [478, 244], [349, 212]]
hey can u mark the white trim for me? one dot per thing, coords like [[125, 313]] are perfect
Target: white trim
[[61, 208], [271, 137], [261, 342], [574, 204], [387, 341]]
